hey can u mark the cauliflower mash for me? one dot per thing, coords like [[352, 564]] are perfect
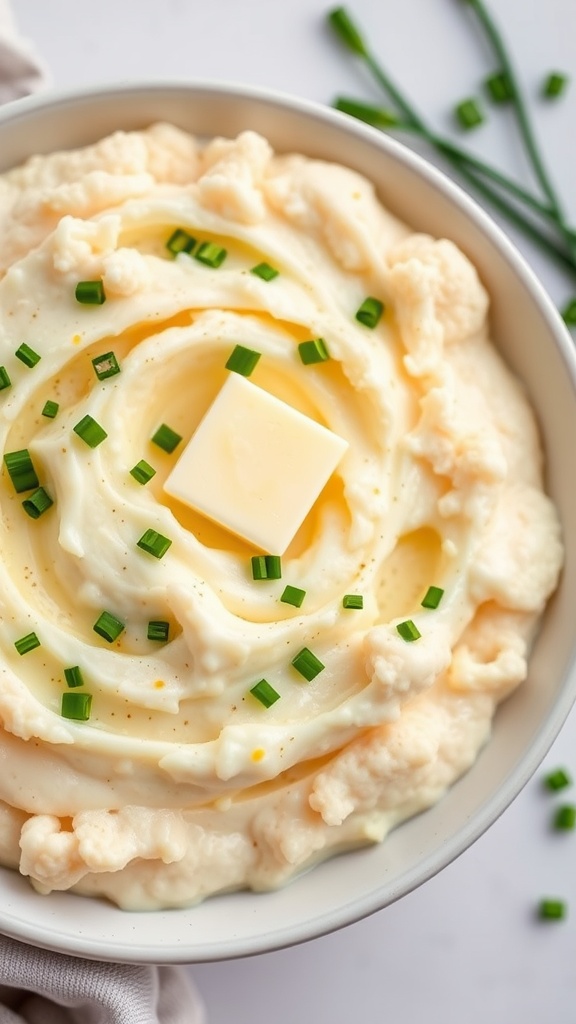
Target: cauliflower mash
[[185, 711]]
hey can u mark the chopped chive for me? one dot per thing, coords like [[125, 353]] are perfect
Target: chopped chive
[[37, 503], [50, 409], [552, 910], [211, 254], [370, 312], [73, 676], [554, 84], [565, 818], [27, 355], [166, 438], [313, 351], [468, 114], [293, 595], [242, 360], [569, 313], [90, 293], [21, 471], [307, 664], [499, 87], [265, 693], [266, 567], [154, 543], [353, 601], [90, 431], [5, 381], [142, 471], [108, 627], [180, 241], [265, 271], [432, 597], [76, 706], [408, 631], [105, 366], [378, 117], [27, 643], [558, 779], [159, 630]]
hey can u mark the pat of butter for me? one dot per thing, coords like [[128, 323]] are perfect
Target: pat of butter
[[255, 465]]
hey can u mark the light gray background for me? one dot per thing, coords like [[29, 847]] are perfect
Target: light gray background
[[465, 948]]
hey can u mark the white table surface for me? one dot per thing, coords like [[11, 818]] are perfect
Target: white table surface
[[465, 947]]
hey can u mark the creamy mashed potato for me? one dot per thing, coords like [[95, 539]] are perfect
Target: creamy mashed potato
[[175, 781]]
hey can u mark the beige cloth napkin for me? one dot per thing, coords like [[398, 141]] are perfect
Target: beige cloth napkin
[[38, 987]]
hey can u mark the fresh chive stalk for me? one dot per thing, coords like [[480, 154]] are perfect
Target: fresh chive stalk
[[265, 693]]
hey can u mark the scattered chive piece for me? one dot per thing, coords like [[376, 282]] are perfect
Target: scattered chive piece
[[37, 503], [21, 471], [378, 117], [554, 84], [154, 543], [370, 312], [353, 601], [76, 706], [293, 595], [408, 631], [242, 360], [90, 293], [158, 629], [265, 271], [557, 779], [468, 114], [307, 664], [499, 87], [565, 817], [180, 241], [27, 643], [73, 677], [432, 597], [211, 254], [50, 409], [142, 471], [5, 381], [166, 438], [265, 693], [313, 351], [552, 910], [27, 355], [90, 431], [105, 366], [569, 313], [266, 567], [108, 627]]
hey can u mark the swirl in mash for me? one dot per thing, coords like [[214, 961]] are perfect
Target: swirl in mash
[[181, 784]]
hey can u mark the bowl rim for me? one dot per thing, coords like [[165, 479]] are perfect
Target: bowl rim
[[347, 913]]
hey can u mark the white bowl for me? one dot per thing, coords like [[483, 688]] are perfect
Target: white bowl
[[536, 345]]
